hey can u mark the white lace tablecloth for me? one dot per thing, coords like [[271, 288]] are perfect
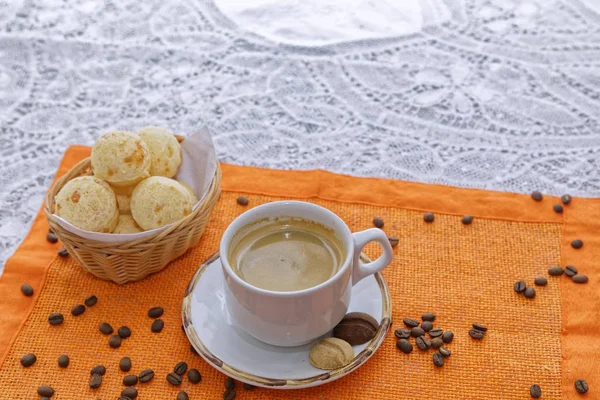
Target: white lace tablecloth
[[502, 95]]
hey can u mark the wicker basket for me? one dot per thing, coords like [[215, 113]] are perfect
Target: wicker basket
[[131, 261]]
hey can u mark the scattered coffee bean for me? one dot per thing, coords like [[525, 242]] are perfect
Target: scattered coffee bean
[[51, 237], [378, 222], [182, 396], [63, 361], [193, 350], [535, 391], [91, 301], [130, 380], [114, 341], [45, 391], [120, 398], [229, 395], [402, 333], [130, 392], [537, 196], [125, 364], [428, 217], [78, 310], [411, 323], [435, 332], [565, 198], [581, 386], [437, 342], [520, 286], [555, 271], [416, 332], [27, 290], [28, 360], [571, 271], [105, 328], [393, 241], [557, 208], [438, 359], [156, 312], [180, 368], [447, 337], [242, 200], [445, 352], [98, 369], [580, 278], [229, 383], [248, 386], [423, 343], [95, 381], [356, 328], [146, 375], [194, 376], [124, 332], [404, 345], [428, 317], [540, 281], [577, 243], [475, 334], [63, 252], [427, 325], [174, 379], [56, 318], [157, 325], [467, 219], [529, 292]]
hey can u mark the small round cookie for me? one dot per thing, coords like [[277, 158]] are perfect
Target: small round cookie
[[164, 150], [331, 353], [121, 158], [158, 201], [127, 224], [88, 203]]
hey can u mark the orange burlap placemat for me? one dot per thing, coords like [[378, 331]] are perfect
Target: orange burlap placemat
[[464, 274]]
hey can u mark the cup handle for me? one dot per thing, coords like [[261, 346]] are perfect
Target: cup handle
[[361, 269]]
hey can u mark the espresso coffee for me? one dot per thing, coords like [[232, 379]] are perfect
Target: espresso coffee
[[286, 254]]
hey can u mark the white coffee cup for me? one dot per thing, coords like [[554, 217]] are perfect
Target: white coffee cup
[[296, 318]]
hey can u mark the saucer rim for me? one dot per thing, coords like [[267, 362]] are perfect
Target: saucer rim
[[320, 379]]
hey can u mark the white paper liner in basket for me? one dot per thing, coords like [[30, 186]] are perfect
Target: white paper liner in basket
[[197, 169]]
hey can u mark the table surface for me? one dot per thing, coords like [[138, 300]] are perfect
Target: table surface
[[499, 95]]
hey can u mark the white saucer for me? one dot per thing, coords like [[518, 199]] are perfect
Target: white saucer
[[235, 353]]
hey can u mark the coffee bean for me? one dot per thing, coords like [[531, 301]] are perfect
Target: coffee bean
[[378, 222], [540, 281], [229, 395], [565, 198], [404, 345], [356, 328], [130, 380], [174, 379], [423, 343], [125, 364], [557, 208], [63, 361], [437, 342], [229, 383], [182, 396], [114, 341], [63, 252], [416, 332], [129, 392], [427, 325], [581, 386], [248, 386], [194, 376], [445, 352], [95, 381], [157, 325], [28, 360], [555, 271], [45, 391], [105, 328], [242, 200], [475, 334], [577, 243], [91, 301], [180, 368], [571, 271], [56, 318], [393, 241], [193, 350], [467, 219], [535, 391], [411, 323], [124, 332], [156, 312], [537, 196], [51, 237], [447, 337], [98, 369], [520, 286], [78, 310], [121, 398], [435, 332], [146, 375], [402, 333], [580, 278], [428, 217], [428, 317], [529, 292], [438, 359], [27, 290]]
